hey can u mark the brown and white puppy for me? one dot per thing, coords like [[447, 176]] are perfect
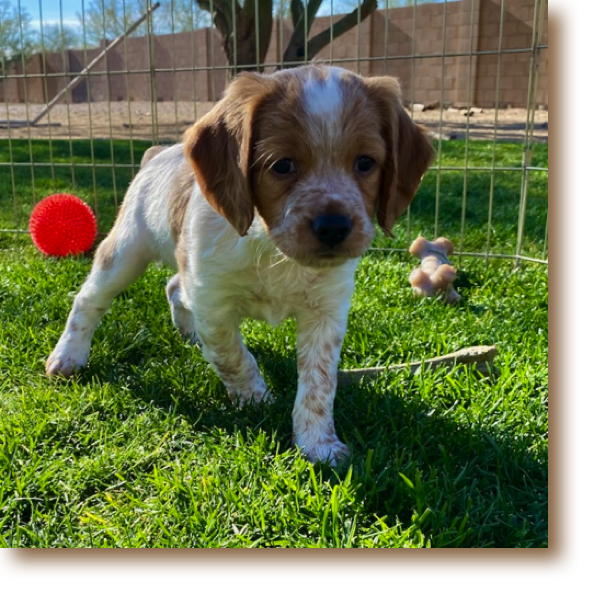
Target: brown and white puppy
[[264, 211]]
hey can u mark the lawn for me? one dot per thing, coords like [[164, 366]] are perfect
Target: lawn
[[144, 448]]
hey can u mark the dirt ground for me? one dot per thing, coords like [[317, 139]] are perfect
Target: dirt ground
[[134, 120]]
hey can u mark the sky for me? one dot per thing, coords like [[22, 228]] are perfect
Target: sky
[[49, 10]]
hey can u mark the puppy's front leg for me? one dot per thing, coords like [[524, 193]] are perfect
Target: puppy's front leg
[[120, 259], [319, 341], [223, 347]]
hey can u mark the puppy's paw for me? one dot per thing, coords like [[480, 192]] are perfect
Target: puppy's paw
[[261, 394], [329, 450], [65, 361]]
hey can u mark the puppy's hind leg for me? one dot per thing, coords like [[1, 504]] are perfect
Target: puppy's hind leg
[[120, 260], [182, 316]]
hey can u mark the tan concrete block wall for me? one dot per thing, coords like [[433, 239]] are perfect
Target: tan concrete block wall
[[514, 32]]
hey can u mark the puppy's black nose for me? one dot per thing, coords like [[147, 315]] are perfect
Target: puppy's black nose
[[332, 229]]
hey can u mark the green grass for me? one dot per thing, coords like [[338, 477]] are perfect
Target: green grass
[[144, 448], [459, 200]]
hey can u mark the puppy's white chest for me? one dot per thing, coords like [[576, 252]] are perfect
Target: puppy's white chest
[[273, 293], [258, 304]]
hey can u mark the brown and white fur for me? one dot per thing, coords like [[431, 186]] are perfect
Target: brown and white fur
[[264, 211]]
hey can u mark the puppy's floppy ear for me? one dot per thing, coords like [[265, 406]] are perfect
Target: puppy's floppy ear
[[218, 147], [409, 151]]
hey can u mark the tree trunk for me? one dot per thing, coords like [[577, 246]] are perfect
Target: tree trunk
[[245, 44], [296, 50]]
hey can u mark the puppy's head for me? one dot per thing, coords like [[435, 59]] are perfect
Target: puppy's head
[[317, 151]]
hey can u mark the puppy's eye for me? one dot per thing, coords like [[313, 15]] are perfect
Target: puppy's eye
[[284, 166], [364, 164]]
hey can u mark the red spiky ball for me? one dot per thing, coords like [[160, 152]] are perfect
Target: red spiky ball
[[62, 225]]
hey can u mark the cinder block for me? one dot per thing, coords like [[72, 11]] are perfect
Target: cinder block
[[423, 21], [518, 68], [490, 30], [455, 18], [507, 97], [508, 83], [518, 41]]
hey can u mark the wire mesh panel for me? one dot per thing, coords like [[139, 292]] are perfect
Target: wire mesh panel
[[86, 86]]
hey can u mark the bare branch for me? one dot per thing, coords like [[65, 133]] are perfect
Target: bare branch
[[246, 30], [301, 26], [296, 12], [312, 9], [222, 13], [317, 43], [296, 48]]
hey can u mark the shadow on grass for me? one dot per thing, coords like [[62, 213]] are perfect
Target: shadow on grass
[[463, 485]]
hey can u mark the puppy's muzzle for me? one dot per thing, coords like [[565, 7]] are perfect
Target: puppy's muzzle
[[332, 229]]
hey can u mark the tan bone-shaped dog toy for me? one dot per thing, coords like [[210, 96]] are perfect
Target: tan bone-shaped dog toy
[[436, 274]]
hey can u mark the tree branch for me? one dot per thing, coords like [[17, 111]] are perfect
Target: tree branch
[[301, 27], [312, 9], [296, 12], [296, 48], [222, 13], [266, 21], [317, 43]]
